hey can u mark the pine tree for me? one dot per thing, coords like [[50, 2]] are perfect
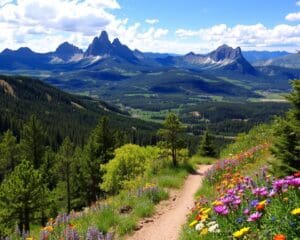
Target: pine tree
[[286, 146], [9, 154], [33, 142], [22, 195], [171, 135], [98, 150], [65, 168], [206, 147]]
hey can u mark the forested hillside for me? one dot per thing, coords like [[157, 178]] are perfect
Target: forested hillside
[[62, 114]]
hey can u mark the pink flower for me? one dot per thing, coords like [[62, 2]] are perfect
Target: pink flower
[[221, 210], [254, 217], [246, 211]]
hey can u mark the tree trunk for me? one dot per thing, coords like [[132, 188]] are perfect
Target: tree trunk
[[21, 222], [26, 220], [174, 159], [68, 193]]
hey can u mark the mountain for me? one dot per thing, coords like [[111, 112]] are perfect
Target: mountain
[[288, 61], [115, 73], [224, 58], [254, 56], [61, 113], [23, 58], [100, 46], [67, 52]]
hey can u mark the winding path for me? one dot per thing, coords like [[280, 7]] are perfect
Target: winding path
[[171, 214]]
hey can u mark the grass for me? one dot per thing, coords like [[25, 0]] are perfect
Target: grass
[[197, 159], [120, 213]]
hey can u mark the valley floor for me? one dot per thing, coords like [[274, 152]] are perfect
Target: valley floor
[[171, 214]]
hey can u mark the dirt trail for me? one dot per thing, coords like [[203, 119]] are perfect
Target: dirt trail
[[171, 214]]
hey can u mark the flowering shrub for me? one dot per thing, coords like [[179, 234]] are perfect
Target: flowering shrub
[[247, 207]]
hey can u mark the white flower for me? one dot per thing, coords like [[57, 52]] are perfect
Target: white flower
[[214, 228], [212, 223], [199, 226]]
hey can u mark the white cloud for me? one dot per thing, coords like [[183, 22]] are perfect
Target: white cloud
[[152, 21], [43, 25], [293, 16], [298, 3], [246, 36]]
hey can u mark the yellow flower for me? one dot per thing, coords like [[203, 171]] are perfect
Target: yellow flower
[[262, 202], [193, 223], [217, 203], [204, 217], [296, 211], [204, 231], [205, 211], [30, 238], [240, 233], [48, 229]]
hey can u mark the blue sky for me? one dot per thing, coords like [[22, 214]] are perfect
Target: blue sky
[[205, 13], [177, 26]]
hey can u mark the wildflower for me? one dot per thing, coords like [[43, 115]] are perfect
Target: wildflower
[[205, 210], [297, 174], [48, 229], [193, 223], [255, 216], [279, 237], [264, 202], [199, 226], [213, 228], [204, 231], [246, 211], [260, 207], [212, 223], [253, 203], [221, 210], [217, 203], [296, 211], [242, 232]]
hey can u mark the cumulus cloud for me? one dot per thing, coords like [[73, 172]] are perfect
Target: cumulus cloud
[[293, 16], [42, 25], [247, 36], [152, 21]]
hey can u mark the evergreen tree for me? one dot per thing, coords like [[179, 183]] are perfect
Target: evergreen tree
[[9, 154], [78, 178], [171, 134], [33, 142], [22, 195], [286, 146], [206, 147], [98, 150], [65, 168]]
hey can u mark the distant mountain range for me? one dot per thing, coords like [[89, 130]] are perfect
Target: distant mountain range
[[118, 74], [254, 56]]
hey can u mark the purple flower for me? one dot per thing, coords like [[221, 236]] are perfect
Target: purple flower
[[272, 193], [221, 210], [254, 217], [246, 211], [253, 203], [260, 191], [227, 200]]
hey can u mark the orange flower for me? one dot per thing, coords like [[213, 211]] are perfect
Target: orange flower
[[279, 237], [260, 207], [297, 174]]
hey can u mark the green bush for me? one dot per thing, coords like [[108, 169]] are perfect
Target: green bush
[[130, 162]]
